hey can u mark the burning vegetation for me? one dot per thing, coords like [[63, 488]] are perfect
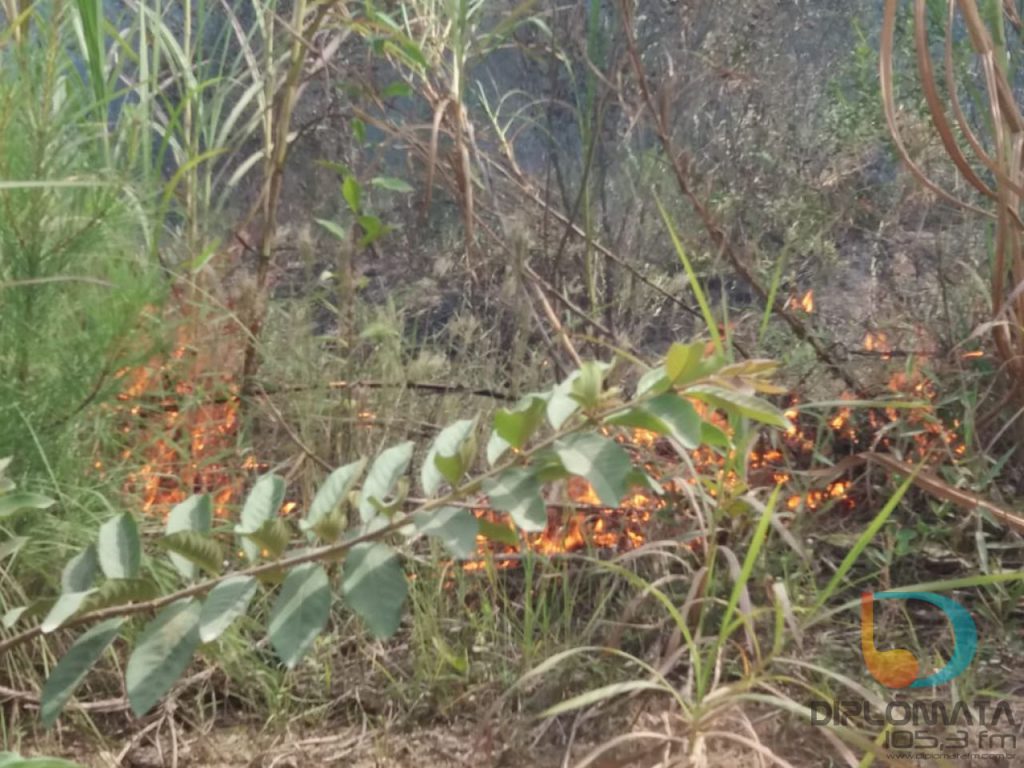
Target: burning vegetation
[[179, 419], [180, 415]]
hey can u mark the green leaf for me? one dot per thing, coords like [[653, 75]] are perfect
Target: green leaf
[[11, 617], [192, 549], [271, 539], [225, 603], [72, 669], [373, 229], [122, 591], [392, 184], [496, 447], [637, 417], [300, 612], [20, 501], [730, 400], [67, 605], [602, 462], [261, 505], [80, 571], [515, 426], [374, 586], [332, 494], [387, 468], [162, 654], [339, 168], [561, 405], [589, 384], [447, 444], [713, 436], [120, 550], [397, 88], [193, 514], [517, 492], [597, 695], [496, 532], [353, 194], [655, 381], [335, 229], [455, 527], [682, 363], [679, 417], [668, 415]]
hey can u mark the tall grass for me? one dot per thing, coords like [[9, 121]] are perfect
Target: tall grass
[[73, 278], [980, 136]]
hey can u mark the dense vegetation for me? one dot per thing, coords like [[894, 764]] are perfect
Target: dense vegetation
[[508, 383]]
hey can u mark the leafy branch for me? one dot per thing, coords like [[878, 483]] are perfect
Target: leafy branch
[[579, 411]]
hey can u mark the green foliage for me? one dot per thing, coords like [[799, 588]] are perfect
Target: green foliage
[[385, 474], [22, 501], [225, 603], [192, 518], [375, 587], [119, 547], [75, 665], [300, 612], [603, 462], [12, 760], [260, 508], [326, 516], [162, 653], [80, 572], [455, 527], [449, 456], [372, 579]]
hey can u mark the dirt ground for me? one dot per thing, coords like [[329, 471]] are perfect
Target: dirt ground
[[510, 743]]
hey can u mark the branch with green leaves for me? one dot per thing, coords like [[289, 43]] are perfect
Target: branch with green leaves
[[360, 525]]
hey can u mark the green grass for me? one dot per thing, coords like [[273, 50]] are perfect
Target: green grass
[[101, 214]]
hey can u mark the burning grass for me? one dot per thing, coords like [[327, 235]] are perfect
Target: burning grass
[[180, 424]]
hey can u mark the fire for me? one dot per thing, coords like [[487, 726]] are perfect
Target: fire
[[179, 419], [804, 303], [579, 521], [878, 342]]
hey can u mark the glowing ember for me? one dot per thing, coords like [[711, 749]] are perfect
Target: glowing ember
[[179, 419], [878, 342], [581, 522], [804, 303]]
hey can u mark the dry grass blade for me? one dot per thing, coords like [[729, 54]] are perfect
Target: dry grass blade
[[593, 758], [891, 113], [943, 490], [931, 484], [935, 105], [435, 133], [1004, 161], [749, 743]]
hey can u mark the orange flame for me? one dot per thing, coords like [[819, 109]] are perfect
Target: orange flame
[[804, 303], [878, 342]]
